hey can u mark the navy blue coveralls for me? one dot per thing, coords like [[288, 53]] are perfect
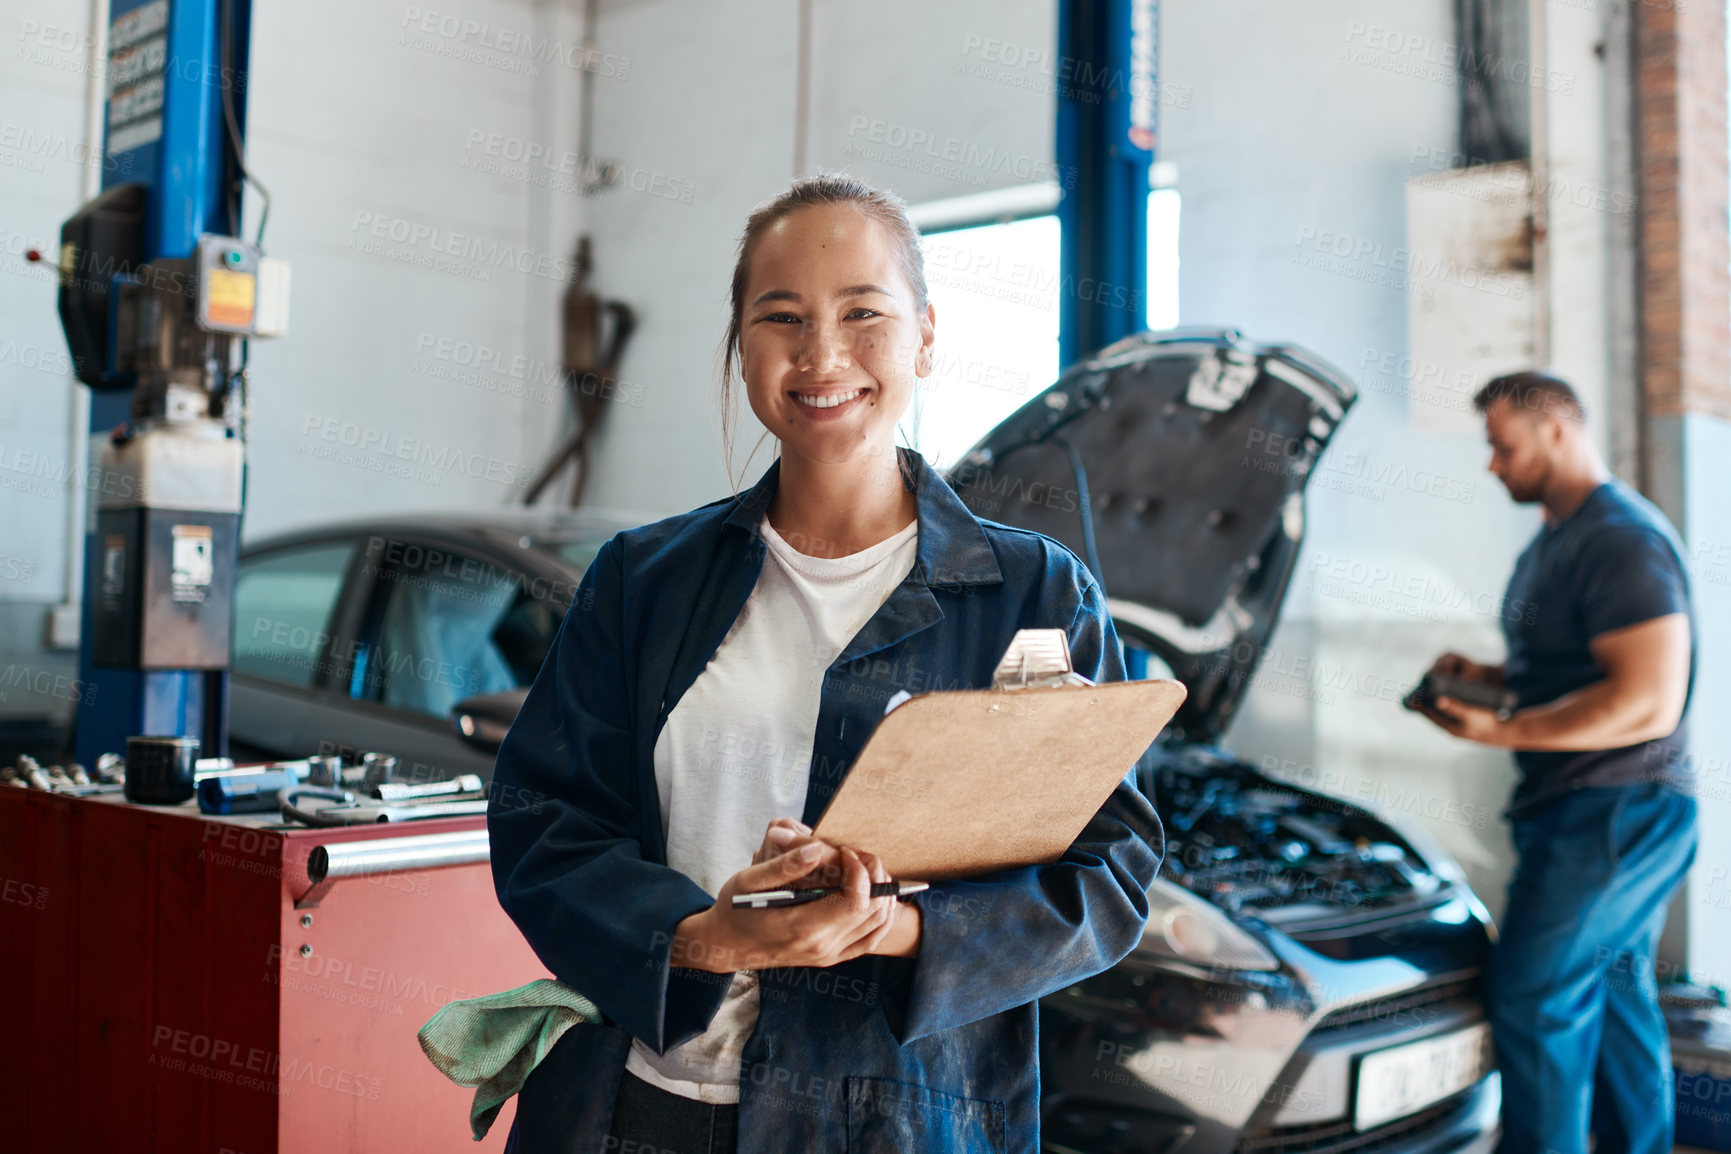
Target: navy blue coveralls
[[934, 1053]]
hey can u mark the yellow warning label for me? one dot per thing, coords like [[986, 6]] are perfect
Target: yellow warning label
[[228, 297]]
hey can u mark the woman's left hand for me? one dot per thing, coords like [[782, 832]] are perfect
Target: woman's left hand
[[786, 835], [822, 933]]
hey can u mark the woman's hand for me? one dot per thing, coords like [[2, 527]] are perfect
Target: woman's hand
[[821, 933], [786, 834], [783, 834]]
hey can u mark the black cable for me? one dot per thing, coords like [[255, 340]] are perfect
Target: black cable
[[240, 425], [1090, 553], [225, 83], [586, 94], [1486, 134]]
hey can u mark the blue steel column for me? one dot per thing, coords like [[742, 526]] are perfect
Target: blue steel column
[[1107, 124], [187, 170]]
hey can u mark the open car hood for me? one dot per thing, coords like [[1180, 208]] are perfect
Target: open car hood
[[1174, 463]]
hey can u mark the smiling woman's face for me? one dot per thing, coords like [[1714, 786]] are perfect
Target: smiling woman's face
[[831, 338]]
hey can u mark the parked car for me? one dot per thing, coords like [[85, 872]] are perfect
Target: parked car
[[369, 635], [1309, 979]]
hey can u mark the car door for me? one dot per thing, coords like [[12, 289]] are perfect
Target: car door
[[445, 620], [293, 612]]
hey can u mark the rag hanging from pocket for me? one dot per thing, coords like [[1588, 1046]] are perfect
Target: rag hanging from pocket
[[493, 1043]]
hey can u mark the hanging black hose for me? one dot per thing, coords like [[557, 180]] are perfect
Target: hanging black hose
[[226, 81], [1090, 553], [1488, 134]]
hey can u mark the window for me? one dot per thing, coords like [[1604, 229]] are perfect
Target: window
[[282, 611], [1163, 206], [995, 288], [452, 627], [524, 635]]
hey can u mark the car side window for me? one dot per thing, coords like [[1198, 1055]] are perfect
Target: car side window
[[283, 601], [524, 635], [450, 629]]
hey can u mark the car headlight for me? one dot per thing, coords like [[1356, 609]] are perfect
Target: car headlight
[[1184, 927]]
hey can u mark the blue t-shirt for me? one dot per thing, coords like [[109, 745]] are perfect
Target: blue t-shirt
[[1616, 561]]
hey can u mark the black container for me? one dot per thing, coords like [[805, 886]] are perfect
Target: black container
[[159, 770]]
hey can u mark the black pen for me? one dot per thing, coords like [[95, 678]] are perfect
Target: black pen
[[771, 898]]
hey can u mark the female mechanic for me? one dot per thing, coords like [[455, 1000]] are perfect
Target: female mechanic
[[714, 678]]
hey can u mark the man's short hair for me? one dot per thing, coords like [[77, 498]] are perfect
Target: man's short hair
[[1532, 392]]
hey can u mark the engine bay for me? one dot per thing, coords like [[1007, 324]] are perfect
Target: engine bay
[[1252, 846]]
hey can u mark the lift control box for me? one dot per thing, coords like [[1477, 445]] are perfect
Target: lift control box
[[166, 542]]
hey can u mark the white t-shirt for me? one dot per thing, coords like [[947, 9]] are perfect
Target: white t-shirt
[[736, 752]]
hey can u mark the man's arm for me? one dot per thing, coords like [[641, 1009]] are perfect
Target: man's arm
[[1640, 698]]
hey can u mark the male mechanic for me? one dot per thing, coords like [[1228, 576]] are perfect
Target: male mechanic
[[1601, 653]]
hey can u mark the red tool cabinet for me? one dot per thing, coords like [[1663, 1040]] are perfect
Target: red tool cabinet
[[164, 994]]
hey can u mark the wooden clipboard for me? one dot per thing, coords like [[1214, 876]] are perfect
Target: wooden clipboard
[[966, 782]]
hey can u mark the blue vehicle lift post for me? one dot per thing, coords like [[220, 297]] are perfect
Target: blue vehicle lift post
[[171, 63], [1107, 125], [1107, 120]]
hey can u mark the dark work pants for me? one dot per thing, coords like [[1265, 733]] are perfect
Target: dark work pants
[[1572, 996], [649, 1120]]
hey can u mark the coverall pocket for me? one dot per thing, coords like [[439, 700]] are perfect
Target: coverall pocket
[[885, 1117]]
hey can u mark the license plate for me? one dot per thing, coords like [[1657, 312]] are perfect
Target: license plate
[[1395, 1082]]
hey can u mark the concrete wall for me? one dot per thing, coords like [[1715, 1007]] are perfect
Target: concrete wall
[[901, 94], [43, 159], [429, 255], [1685, 329], [428, 261], [1703, 445]]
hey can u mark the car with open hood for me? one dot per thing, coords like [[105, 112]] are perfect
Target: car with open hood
[[1309, 978]]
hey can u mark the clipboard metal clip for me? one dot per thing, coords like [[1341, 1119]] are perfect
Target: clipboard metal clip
[[1037, 658]]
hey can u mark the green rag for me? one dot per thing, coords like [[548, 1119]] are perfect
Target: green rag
[[493, 1043]]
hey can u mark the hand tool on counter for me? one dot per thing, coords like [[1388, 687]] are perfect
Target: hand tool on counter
[[404, 791], [245, 791], [394, 801], [28, 773]]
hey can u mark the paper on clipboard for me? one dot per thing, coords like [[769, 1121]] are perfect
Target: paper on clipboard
[[958, 783]]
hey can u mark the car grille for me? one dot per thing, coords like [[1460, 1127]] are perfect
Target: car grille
[[1334, 925], [1341, 1138], [1405, 1007]]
